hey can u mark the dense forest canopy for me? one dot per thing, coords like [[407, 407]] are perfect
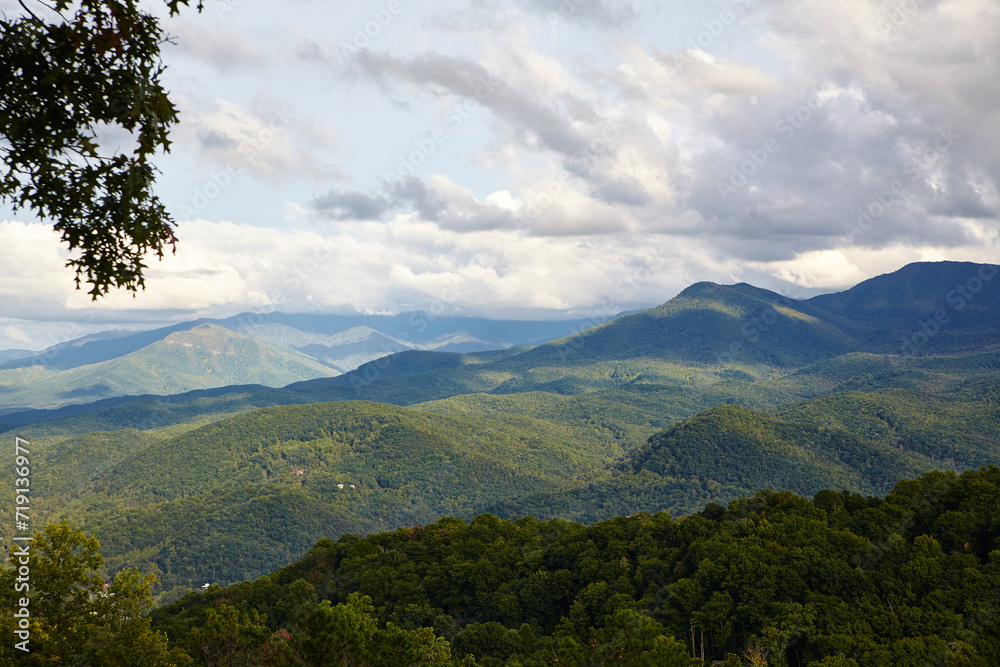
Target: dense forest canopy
[[775, 578], [593, 507]]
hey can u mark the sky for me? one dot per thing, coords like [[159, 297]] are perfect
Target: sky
[[541, 159]]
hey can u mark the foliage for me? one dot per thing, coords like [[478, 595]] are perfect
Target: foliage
[[846, 578], [220, 502], [348, 634], [75, 617], [842, 579], [61, 79], [231, 639]]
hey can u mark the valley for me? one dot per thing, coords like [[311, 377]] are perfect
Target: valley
[[681, 410]]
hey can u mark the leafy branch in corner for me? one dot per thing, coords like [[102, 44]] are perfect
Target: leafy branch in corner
[[62, 78]]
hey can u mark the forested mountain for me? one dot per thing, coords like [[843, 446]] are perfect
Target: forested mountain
[[841, 580], [711, 334], [925, 307], [710, 340], [186, 501], [183, 501], [118, 363], [686, 408], [201, 357]]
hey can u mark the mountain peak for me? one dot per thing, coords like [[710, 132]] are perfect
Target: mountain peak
[[700, 289]]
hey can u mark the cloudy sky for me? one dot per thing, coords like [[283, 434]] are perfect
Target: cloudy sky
[[533, 158]]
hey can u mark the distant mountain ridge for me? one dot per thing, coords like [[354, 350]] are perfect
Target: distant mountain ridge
[[713, 332], [323, 345], [717, 393], [706, 333], [201, 357], [709, 323]]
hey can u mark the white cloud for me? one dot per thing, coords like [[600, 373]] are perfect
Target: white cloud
[[16, 333], [824, 269], [33, 269], [261, 141], [601, 148], [218, 45]]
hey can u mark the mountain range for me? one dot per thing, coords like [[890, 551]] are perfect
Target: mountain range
[[717, 393], [273, 350]]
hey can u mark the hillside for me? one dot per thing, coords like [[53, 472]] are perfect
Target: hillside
[[343, 342], [176, 498], [712, 335], [955, 305], [839, 580], [633, 415], [711, 342], [202, 357], [710, 324], [179, 498], [862, 441]]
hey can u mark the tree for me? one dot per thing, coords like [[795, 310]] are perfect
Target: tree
[[231, 639], [61, 79], [632, 639], [74, 618], [121, 634], [61, 583], [348, 634]]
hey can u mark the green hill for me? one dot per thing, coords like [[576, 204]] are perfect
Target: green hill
[[862, 441], [202, 357], [948, 306], [710, 333], [710, 324], [839, 580], [171, 498], [719, 392], [710, 340], [178, 497]]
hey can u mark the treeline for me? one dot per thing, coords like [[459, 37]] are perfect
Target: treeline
[[238, 498], [724, 453], [774, 579]]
